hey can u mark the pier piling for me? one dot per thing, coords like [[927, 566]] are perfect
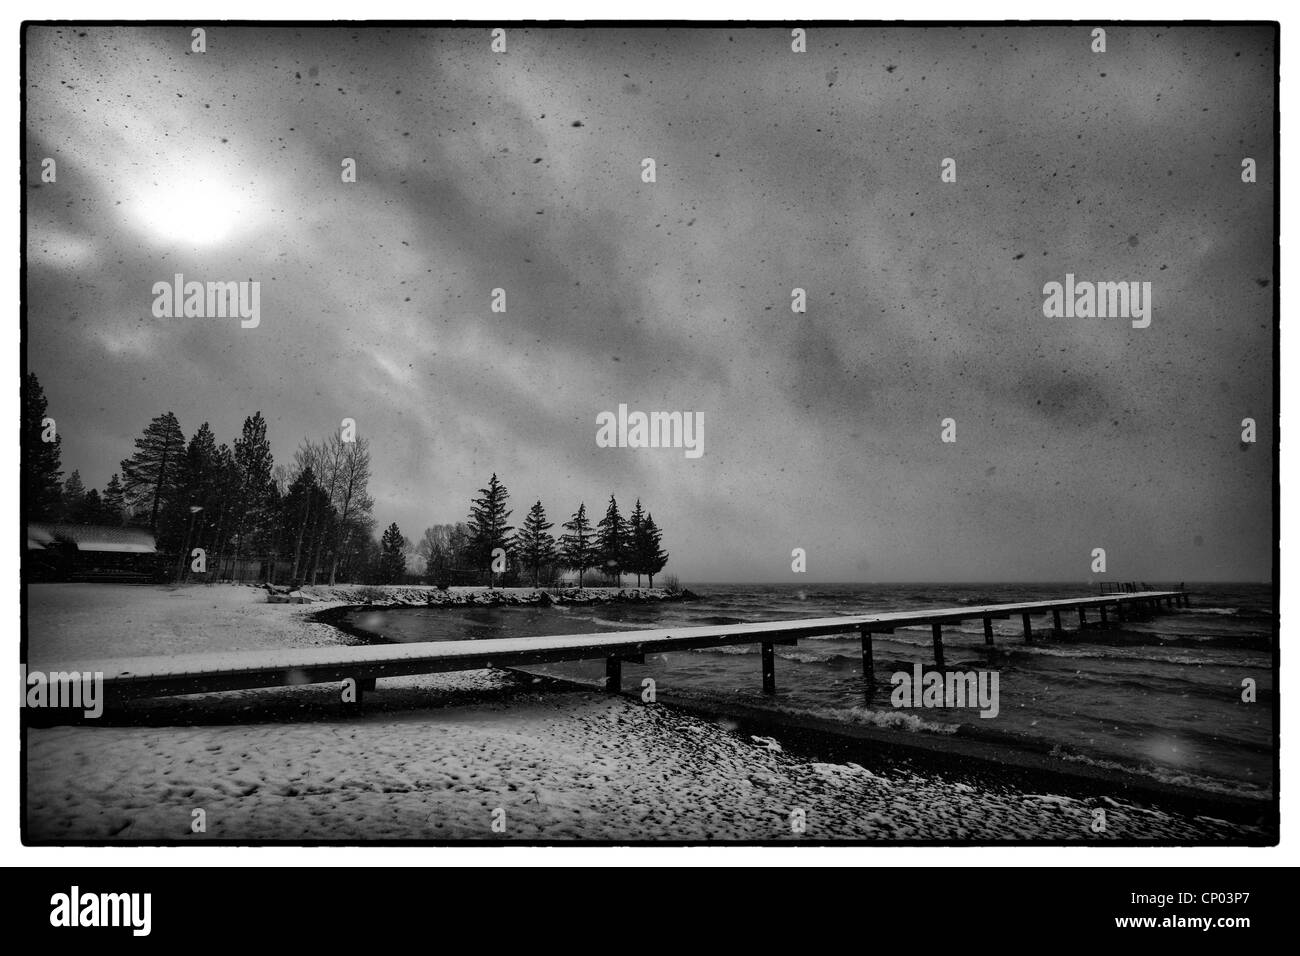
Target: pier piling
[[868, 665], [167, 676]]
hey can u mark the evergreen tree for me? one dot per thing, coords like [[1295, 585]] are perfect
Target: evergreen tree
[[42, 468], [225, 508], [487, 522], [637, 544], [92, 509], [578, 547], [151, 476], [114, 502], [253, 462], [200, 485], [81, 506], [205, 486], [392, 556], [655, 557], [534, 543], [306, 518], [74, 493], [611, 539]]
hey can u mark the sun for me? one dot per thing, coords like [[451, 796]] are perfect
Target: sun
[[192, 207]]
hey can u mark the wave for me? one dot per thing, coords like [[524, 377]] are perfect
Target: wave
[[1109, 654], [619, 625], [1165, 775], [875, 717]]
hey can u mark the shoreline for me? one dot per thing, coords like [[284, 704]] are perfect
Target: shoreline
[[429, 758], [1024, 762], [427, 595]]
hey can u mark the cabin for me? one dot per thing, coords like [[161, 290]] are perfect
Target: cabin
[[89, 552]]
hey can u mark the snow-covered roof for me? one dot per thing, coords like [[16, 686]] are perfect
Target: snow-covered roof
[[92, 537]]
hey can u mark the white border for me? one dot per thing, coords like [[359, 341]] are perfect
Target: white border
[[13, 853]]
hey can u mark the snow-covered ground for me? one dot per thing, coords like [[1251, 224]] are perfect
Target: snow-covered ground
[[446, 756]]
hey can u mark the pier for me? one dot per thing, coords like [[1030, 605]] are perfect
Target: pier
[[146, 677]]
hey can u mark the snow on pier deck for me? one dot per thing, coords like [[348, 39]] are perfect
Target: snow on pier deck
[[205, 673]]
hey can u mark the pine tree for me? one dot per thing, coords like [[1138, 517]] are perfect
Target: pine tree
[[611, 538], [392, 556], [92, 510], [637, 545], [114, 502], [151, 476], [254, 463], [204, 485], [534, 543], [74, 494], [42, 469], [306, 518], [487, 522], [655, 557], [199, 486], [227, 484], [577, 547]]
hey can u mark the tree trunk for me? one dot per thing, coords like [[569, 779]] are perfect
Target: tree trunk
[[297, 547], [157, 493]]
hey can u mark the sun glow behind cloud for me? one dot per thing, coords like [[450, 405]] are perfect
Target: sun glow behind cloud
[[193, 206]]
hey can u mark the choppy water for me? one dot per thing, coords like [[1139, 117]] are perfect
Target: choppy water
[[1159, 697]]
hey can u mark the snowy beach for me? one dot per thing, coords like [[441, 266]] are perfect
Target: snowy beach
[[481, 755]]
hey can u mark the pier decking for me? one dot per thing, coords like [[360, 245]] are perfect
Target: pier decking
[[205, 673]]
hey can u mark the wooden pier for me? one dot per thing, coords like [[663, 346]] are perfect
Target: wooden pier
[[207, 673]]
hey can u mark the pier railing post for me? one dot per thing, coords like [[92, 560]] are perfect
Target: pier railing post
[[868, 665], [1103, 614], [1029, 631], [936, 630], [1056, 621], [769, 668], [1082, 622], [988, 631], [613, 675]]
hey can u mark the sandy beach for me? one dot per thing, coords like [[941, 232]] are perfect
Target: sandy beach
[[445, 757]]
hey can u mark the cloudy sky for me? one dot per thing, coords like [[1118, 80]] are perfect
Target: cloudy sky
[[774, 170]]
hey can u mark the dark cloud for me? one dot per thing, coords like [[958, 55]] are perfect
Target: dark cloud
[[775, 170]]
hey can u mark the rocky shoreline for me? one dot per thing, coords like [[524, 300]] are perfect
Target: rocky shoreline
[[359, 595]]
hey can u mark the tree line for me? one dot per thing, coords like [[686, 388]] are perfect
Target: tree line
[[486, 541], [232, 501], [313, 518]]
